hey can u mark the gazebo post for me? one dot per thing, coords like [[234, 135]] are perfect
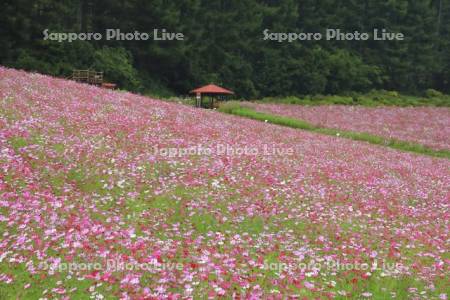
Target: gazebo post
[[197, 99]]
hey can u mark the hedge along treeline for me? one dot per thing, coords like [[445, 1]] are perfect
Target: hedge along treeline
[[224, 44]]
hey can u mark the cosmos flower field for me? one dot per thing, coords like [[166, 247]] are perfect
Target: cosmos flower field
[[429, 126], [194, 204]]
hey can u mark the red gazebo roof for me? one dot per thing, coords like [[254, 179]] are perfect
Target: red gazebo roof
[[211, 89]]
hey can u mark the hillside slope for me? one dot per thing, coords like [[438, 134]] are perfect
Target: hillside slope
[[429, 126], [91, 176]]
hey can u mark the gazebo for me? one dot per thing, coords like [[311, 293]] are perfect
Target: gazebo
[[210, 90]]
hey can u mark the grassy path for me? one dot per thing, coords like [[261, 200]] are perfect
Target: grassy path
[[236, 109]]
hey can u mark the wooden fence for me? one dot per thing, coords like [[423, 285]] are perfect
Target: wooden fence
[[88, 76]]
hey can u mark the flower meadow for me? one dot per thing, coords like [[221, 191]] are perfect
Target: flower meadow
[[106, 194], [429, 126]]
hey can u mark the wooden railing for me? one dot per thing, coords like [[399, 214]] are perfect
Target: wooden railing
[[88, 76]]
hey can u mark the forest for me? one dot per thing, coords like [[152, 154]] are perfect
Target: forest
[[224, 43]]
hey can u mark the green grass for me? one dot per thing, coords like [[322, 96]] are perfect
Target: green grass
[[236, 109], [203, 223], [16, 289], [17, 143], [252, 225], [373, 98], [384, 287]]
